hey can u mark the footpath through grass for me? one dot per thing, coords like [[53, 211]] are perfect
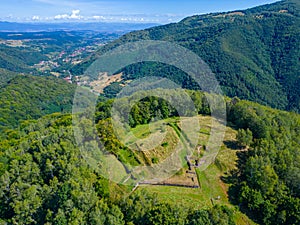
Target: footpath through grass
[[212, 189]]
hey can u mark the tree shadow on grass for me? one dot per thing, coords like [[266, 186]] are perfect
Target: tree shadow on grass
[[232, 145], [234, 179]]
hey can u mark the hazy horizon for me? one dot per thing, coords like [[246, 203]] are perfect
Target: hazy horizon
[[129, 11]]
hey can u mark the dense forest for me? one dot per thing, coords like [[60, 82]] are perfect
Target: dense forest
[[47, 178], [266, 184], [19, 59], [254, 53], [45, 181], [27, 97]]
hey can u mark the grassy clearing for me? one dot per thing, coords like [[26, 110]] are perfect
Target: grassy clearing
[[212, 190], [178, 195], [211, 185], [155, 141]]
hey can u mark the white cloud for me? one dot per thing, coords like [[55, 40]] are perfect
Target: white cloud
[[63, 16], [99, 17], [74, 15], [35, 18]]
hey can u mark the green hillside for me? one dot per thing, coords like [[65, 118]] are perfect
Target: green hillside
[[30, 97], [16, 60], [5, 76], [159, 159], [254, 53], [19, 59], [45, 177]]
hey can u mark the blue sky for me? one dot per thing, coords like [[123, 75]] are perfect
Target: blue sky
[[160, 11]]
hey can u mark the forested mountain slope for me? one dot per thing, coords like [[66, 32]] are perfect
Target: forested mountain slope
[[30, 97], [45, 180], [254, 53], [19, 59]]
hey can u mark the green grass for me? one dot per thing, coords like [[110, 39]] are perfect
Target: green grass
[[179, 195], [151, 140], [211, 186], [210, 182], [212, 190]]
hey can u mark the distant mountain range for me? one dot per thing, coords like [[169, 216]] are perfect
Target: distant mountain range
[[94, 26], [254, 53]]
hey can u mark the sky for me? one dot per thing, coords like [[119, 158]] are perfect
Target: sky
[[154, 11]]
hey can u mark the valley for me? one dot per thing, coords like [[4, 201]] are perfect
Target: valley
[[58, 50], [146, 144]]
